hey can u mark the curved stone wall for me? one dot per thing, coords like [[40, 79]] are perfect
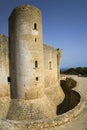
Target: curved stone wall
[[71, 99], [4, 66], [26, 53], [51, 71], [43, 123], [50, 66]]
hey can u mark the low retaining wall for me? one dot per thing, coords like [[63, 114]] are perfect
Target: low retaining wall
[[41, 124]]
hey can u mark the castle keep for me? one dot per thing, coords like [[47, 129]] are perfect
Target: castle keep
[[29, 69]]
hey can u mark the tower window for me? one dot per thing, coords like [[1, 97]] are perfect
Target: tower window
[[9, 79], [35, 26], [35, 39], [50, 65], [36, 78], [36, 64]]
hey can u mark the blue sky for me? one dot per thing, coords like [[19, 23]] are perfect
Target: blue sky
[[64, 26]]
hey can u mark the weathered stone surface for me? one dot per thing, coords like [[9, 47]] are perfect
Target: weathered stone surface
[[42, 123], [4, 66], [33, 68], [4, 107]]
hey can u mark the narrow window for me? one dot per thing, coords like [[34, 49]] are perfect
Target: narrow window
[[35, 39], [9, 79], [36, 78], [35, 26], [50, 65], [36, 64]]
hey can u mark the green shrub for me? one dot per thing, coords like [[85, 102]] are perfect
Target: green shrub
[[76, 71]]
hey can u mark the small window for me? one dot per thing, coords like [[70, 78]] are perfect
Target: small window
[[50, 65], [36, 78], [35, 39], [9, 79], [36, 64], [35, 26]]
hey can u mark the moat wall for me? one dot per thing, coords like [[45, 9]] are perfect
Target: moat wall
[[41, 124]]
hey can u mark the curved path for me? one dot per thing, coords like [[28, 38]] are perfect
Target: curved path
[[79, 123]]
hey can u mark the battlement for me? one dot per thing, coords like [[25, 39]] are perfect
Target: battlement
[[25, 8], [22, 7]]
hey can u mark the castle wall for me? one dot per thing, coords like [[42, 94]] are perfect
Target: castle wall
[[34, 79], [59, 56], [52, 75], [50, 66], [4, 66], [26, 53]]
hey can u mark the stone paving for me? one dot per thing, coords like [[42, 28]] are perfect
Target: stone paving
[[79, 123]]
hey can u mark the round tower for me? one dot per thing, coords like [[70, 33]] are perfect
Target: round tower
[[26, 53], [27, 67]]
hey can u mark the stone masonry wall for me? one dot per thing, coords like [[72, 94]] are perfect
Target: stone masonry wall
[[4, 66], [26, 48], [52, 86], [50, 66], [33, 69], [53, 97], [41, 124]]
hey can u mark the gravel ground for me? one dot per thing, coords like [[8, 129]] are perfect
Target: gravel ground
[[79, 123]]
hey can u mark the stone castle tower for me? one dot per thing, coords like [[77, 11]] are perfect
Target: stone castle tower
[[26, 55], [33, 68]]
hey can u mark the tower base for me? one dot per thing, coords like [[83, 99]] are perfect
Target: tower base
[[30, 109]]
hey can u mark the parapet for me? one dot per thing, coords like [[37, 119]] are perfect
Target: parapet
[[25, 8]]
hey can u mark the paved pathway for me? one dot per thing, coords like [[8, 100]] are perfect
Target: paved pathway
[[79, 123]]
